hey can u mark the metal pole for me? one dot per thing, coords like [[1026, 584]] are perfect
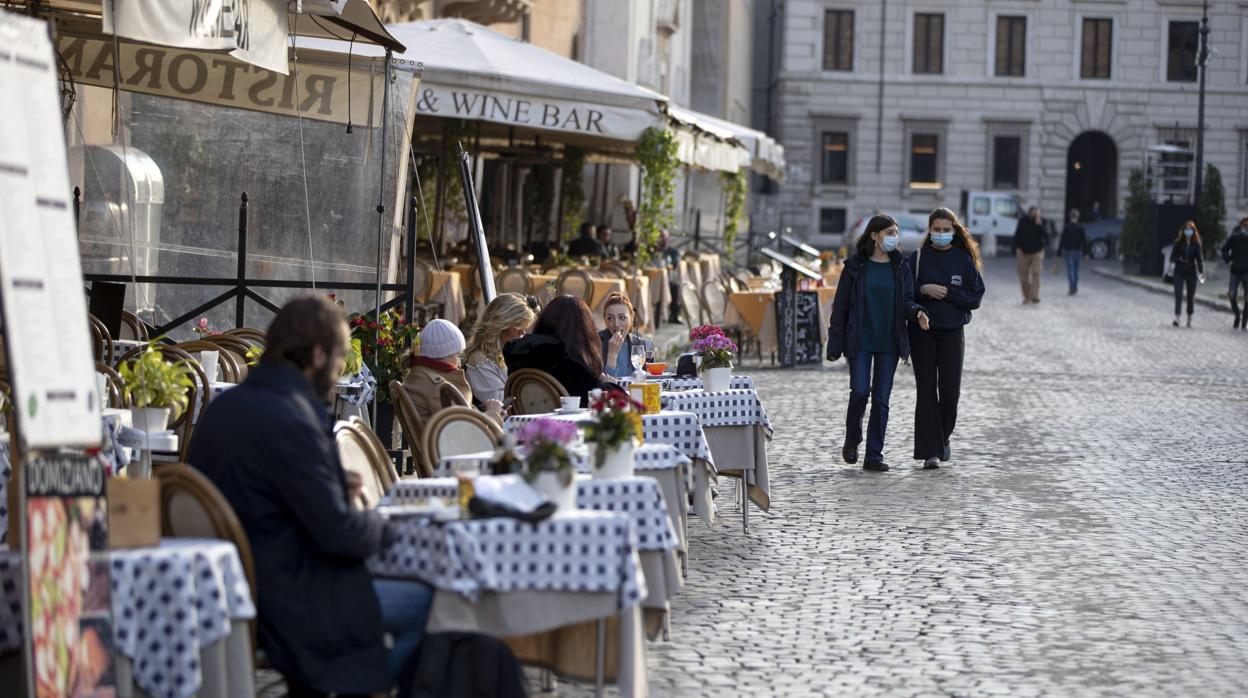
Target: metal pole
[[381, 210], [1201, 60], [240, 289], [409, 301]]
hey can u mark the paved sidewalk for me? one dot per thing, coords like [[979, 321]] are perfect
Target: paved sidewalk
[[1211, 294]]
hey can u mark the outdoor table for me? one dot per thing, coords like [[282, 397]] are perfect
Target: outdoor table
[[672, 385], [756, 311], [737, 428], [550, 588], [660, 292], [639, 294], [175, 608]]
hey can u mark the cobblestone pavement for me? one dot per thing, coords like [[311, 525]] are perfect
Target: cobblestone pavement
[[1090, 536]]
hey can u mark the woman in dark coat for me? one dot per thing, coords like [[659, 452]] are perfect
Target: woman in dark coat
[[1189, 267], [874, 298], [563, 344]]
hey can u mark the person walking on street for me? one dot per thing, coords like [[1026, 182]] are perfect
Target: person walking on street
[[874, 298], [1235, 253], [946, 270], [1189, 266], [1030, 240], [1071, 247]]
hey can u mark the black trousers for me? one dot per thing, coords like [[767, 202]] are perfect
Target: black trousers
[[1180, 280], [937, 359]]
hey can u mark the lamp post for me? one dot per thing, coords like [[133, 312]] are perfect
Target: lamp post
[[1202, 57]]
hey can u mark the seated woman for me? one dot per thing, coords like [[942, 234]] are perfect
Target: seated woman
[[564, 345], [507, 317], [618, 340], [441, 343]]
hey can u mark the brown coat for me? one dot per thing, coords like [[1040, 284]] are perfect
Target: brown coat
[[423, 383]]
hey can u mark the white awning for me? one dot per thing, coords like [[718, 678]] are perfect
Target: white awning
[[759, 152]]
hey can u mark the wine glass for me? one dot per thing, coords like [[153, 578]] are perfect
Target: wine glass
[[637, 357]]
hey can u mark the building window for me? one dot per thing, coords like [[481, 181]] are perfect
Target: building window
[[838, 40], [924, 157], [1184, 41], [832, 221], [929, 44], [1098, 37], [1011, 46], [1006, 156], [835, 168]]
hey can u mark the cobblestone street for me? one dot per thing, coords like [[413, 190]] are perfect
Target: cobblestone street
[[1089, 537]]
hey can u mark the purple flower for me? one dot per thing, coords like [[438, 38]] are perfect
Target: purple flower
[[547, 430], [714, 343]]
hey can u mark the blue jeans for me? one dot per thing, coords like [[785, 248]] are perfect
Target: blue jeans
[[404, 611], [1072, 267], [862, 385]]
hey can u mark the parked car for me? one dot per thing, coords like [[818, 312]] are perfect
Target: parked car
[[991, 217], [912, 228], [1102, 237]]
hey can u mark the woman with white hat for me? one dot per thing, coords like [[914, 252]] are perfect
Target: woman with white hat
[[441, 343]]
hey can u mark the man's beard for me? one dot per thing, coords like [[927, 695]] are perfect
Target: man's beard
[[323, 383]]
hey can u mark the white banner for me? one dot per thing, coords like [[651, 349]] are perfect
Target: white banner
[[254, 31], [534, 111]]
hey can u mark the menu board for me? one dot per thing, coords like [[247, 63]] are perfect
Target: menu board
[[807, 340], [46, 333]]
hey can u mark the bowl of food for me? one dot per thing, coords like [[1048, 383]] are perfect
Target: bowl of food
[[656, 369]]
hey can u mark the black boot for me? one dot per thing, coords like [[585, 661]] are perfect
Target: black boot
[[878, 466], [1236, 325], [850, 453]]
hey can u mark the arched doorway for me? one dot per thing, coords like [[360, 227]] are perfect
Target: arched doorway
[[1092, 174]]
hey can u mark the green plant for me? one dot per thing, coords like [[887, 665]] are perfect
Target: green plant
[[735, 186], [539, 200], [656, 154], [384, 344], [616, 422], [572, 188], [1211, 211], [150, 381], [254, 354], [354, 358], [1137, 221], [445, 167]]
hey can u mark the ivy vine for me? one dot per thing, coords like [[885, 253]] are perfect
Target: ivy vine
[[431, 168], [539, 200], [572, 186], [656, 154], [735, 186]]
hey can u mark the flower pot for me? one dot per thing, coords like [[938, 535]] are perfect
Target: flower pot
[[150, 419], [717, 379], [548, 483], [618, 463]]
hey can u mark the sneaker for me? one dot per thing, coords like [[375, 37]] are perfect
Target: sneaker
[[1236, 325], [931, 464], [849, 453], [1176, 321], [878, 466], [1071, 292], [945, 454]]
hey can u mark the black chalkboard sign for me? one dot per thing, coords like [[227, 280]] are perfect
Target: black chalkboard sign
[[807, 344], [797, 335]]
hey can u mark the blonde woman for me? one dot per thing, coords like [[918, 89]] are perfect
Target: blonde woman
[[506, 318]]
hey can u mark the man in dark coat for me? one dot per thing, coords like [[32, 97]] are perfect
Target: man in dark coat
[[268, 446], [586, 245]]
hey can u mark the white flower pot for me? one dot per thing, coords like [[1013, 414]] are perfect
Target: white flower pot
[[618, 463], [716, 379], [150, 419], [548, 484]]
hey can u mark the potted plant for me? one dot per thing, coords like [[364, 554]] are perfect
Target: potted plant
[[614, 433], [384, 343], [155, 388], [549, 467], [715, 352]]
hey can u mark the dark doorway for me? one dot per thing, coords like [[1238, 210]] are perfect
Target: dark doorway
[[1092, 175]]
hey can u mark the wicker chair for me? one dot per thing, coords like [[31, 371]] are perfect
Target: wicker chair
[[413, 427], [514, 280], [252, 336], [575, 282], [385, 465], [197, 395], [132, 327], [533, 391], [714, 302], [237, 347], [458, 430], [356, 453], [228, 369], [112, 382], [691, 305], [451, 397], [101, 340]]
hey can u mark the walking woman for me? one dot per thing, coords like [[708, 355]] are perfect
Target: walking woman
[[947, 275], [874, 298], [1188, 267]]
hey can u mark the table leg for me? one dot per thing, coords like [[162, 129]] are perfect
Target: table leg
[[600, 670], [745, 501], [549, 684]]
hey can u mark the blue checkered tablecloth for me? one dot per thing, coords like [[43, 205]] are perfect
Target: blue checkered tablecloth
[[726, 408], [737, 382], [681, 430]]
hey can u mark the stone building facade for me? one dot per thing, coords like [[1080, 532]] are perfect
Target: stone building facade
[[901, 105]]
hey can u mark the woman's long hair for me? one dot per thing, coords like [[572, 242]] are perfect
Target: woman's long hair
[[569, 319], [961, 237], [506, 311], [617, 298], [878, 222], [1195, 233]]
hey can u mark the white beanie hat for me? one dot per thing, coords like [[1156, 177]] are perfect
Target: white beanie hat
[[440, 339]]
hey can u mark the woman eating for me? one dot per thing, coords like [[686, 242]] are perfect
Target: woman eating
[[618, 340]]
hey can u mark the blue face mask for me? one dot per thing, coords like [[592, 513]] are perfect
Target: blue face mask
[[942, 239], [889, 242], [1188, 232]]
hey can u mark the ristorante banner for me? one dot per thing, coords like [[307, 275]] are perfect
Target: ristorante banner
[[317, 89]]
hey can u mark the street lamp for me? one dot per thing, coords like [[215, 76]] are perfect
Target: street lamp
[[1201, 59]]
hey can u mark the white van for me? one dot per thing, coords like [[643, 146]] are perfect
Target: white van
[[991, 217]]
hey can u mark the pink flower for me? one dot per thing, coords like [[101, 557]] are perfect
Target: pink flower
[[705, 331], [202, 324], [547, 430]]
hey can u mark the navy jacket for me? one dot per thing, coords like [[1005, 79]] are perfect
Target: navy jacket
[[955, 270], [632, 339], [1187, 258], [547, 353], [1235, 252], [845, 328], [268, 446]]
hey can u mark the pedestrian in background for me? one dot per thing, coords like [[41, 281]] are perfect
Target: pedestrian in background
[[947, 275], [874, 298], [1188, 268], [1030, 240], [1071, 247], [1235, 253]]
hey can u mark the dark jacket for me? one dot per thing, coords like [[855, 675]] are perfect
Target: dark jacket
[[1187, 258], [955, 270], [586, 247], [633, 340], [1074, 237], [1030, 237], [845, 327], [268, 446], [1235, 252], [547, 353]]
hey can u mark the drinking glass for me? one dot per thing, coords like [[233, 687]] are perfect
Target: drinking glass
[[638, 357], [465, 473]]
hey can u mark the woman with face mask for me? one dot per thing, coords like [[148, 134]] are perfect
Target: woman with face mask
[[946, 272], [1186, 255], [874, 298]]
